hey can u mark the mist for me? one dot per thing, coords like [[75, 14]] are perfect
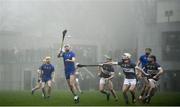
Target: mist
[[32, 29]]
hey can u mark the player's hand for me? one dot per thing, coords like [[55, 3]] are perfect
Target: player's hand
[[107, 79], [58, 55], [155, 77], [79, 65]]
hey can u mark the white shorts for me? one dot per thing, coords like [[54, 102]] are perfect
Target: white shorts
[[102, 81], [130, 81]]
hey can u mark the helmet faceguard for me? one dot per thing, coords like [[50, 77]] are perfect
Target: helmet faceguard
[[126, 56]]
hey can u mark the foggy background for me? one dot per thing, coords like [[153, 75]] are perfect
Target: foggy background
[[32, 29]]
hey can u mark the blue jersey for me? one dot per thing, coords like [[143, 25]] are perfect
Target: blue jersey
[[69, 66], [144, 60], [47, 70]]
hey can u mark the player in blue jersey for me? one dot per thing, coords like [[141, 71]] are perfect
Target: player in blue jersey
[[143, 60], [106, 74], [39, 82], [48, 76], [130, 76], [69, 68]]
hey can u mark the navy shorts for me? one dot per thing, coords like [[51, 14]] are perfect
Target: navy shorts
[[68, 74], [45, 79]]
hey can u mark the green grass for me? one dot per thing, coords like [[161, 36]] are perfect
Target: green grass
[[88, 98]]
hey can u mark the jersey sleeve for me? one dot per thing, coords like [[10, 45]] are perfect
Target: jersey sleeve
[[158, 66]]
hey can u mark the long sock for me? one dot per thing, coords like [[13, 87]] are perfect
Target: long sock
[[142, 93], [125, 97], [132, 94], [49, 91], [72, 90], [104, 92], [44, 92], [113, 93]]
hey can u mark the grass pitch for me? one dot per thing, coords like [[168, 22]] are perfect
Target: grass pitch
[[88, 98]]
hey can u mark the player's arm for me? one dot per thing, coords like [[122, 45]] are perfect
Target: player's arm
[[99, 70], [53, 76], [141, 70], [112, 76], [71, 60], [60, 54], [161, 71], [138, 62]]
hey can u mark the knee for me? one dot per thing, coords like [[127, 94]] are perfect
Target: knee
[[71, 84], [42, 86], [131, 90], [49, 85]]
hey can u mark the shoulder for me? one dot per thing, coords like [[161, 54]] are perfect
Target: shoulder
[[72, 53], [142, 56], [52, 65], [133, 64], [157, 64], [42, 65]]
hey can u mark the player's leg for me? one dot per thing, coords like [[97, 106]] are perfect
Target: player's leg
[[71, 84], [151, 88], [144, 87], [132, 89], [102, 88], [125, 89], [110, 85], [43, 89], [77, 85], [69, 79], [38, 86], [49, 83]]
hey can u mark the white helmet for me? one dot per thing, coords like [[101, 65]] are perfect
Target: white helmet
[[126, 56], [67, 45]]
